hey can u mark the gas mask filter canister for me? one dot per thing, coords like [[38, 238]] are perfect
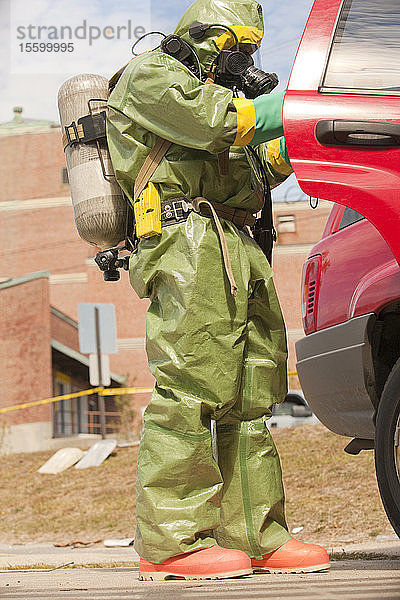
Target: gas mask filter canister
[[235, 69]]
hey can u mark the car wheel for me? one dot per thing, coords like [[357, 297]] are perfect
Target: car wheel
[[387, 447]]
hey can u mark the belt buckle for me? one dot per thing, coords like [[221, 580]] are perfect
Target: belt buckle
[[186, 206], [167, 212], [176, 210], [180, 206]]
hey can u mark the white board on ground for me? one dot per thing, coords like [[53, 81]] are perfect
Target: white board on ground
[[123, 542], [61, 460], [97, 454]]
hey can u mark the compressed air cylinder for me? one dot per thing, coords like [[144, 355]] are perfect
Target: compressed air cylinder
[[100, 208]]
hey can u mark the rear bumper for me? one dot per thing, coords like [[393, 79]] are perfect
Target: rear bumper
[[336, 373]]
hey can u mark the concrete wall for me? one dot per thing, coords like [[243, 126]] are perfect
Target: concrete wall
[[37, 437], [25, 437]]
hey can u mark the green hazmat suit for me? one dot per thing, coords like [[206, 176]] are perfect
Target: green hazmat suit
[[213, 355]]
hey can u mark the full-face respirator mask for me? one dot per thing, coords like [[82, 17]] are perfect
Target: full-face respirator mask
[[233, 69]]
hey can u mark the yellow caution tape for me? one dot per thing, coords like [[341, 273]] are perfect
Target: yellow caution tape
[[49, 400], [122, 391], [99, 390]]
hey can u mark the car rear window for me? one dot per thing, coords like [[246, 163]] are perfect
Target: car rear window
[[365, 51], [350, 216]]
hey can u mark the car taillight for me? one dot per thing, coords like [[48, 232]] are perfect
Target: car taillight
[[310, 291]]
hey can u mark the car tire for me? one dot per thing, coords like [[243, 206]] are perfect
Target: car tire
[[387, 447]]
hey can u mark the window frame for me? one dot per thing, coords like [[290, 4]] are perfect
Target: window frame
[[339, 90], [349, 224], [291, 221], [74, 408]]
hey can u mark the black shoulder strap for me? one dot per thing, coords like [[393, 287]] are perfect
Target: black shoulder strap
[[264, 231]]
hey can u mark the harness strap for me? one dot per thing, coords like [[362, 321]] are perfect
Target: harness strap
[[238, 216], [223, 163], [177, 210], [149, 166]]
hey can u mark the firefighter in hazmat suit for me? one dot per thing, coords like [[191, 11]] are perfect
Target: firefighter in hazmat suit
[[215, 336]]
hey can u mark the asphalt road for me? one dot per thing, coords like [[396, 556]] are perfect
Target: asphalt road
[[347, 579]]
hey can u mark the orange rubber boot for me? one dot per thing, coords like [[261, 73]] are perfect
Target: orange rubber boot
[[207, 563], [293, 557]]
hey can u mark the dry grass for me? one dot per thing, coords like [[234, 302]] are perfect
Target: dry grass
[[332, 495], [75, 505]]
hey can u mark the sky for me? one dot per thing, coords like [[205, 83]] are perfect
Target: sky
[[31, 79]]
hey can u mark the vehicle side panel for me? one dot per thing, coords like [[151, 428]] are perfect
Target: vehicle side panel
[[337, 376], [359, 274], [363, 178]]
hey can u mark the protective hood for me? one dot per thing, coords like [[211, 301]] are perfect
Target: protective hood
[[243, 16]]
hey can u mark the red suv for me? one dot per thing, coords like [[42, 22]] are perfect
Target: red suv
[[341, 118]]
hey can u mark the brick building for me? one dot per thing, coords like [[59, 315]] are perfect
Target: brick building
[[46, 270]]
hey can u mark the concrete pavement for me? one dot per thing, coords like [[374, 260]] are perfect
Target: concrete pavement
[[347, 580], [47, 554], [365, 579]]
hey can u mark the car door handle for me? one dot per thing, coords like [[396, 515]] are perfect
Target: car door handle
[[340, 132]]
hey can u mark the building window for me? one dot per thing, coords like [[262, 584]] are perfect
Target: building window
[[286, 224], [70, 416], [64, 175]]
